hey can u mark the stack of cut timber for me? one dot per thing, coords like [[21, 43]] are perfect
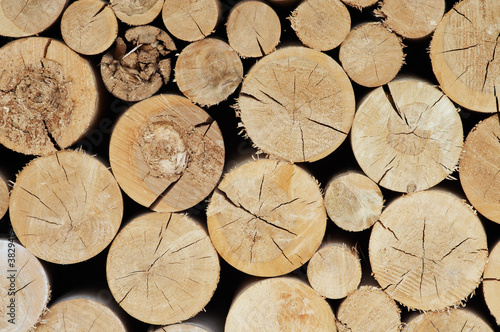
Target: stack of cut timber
[[254, 165]]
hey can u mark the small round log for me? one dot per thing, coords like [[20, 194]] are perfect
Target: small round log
[[360, 4], [491, 283], [136, 12], [4, 197], [450, 320]]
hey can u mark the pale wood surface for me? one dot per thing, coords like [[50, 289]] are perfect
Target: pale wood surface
[[136, 12], [464, 54], [407, 136], [166, 153], [162, 268], [491, 282], [297, 104], [447, 321], [266, 217], [181, 327], [359, 4], [48, 94], [429, 250], [4, 197], [65, 207]]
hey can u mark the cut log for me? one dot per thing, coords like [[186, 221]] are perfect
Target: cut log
[[371, 55], [48, 95], [167, 153], [24, 288], [368, 309], [491, 283], [80, 314], [65, 207], [407, 136], [479, 168], [139, 67], [412, 19], [353, 201], [266, 218], [136, 12], [464, 54], [253, 29], [191, 20], [450, 320], [321, 24], [27, 17], [162, 268], [208, 71], [360, 4], [280, 304], [297, 104], [334, 271], [89, 26], [428, 251], [4, 197], [181, 327]]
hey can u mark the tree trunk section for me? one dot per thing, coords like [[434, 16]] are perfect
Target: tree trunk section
[[48, 96], [162, 268], [89, 26], [428, 251], [266, 218], [297, 104], [4, 197], [167, 153], [181, 327], [208, 71], [136, 12], [360, 4], [407, 136], [450, 320], [65, 207], [491, 283]]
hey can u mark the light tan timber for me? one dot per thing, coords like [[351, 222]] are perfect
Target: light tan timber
[[479, 168], [24, 288], [136, 12], [429, 250], [464, 54], [491, 283], [368, 309], [48, 95], [208, 71], [266, 217], [162, 268], [321, 24], [191, 20], [253, 29], [371, 55], [297, 104], [139, 65], [4, 197], [334, 271], [360, 4], [412, 18], [65, 207], [89, 26], [407, 136], [181, 327], [280, 304], [353, 201], [80, 314], [166, 153], [21, 18], [447, 321]]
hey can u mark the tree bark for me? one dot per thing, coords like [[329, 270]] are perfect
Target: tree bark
[[136, 12]]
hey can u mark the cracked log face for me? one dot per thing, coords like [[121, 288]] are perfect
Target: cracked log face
[[253, 29], [321, 24], [166, 153], [266, 218], [136, 12], [4, 197], [464, 54], [428, 251], [450, 320], [48, 96], [407, 136], [139, 67], [31, 287], [280, 304], [21, 18], [191, 20], [491, 283], [80, 314], [371, 55], [208, 71], [479, 168], [297, 104], [368, 309], [89, 26], [66, 207], [162, 268]]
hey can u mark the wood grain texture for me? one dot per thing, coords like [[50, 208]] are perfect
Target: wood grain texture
[[491, 282], [136, 12], [447, 321]]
